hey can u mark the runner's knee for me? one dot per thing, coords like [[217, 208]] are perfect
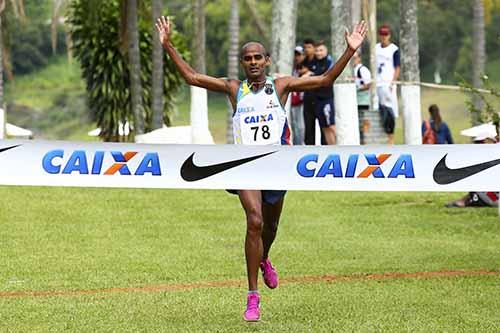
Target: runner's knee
[[254, 220]]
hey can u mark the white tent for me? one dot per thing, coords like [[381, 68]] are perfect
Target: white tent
[[172, 135], [123, 130], [17, 132]]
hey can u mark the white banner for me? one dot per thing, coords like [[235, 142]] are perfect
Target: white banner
[[329, 168]]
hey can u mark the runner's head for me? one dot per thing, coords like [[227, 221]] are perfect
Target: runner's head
[[254, 59]]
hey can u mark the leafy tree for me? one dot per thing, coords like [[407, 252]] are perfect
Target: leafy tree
[[102, 52], [491, 102]]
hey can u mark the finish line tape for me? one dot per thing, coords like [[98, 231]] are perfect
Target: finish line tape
[[327, 168]]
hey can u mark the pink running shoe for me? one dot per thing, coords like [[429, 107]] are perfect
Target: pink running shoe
[[252, 312], [269, 274]]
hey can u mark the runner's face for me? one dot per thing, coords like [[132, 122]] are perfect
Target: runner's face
[[254, 62]]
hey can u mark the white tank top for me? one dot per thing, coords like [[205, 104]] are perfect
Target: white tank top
[[260, 119], [385, 63]]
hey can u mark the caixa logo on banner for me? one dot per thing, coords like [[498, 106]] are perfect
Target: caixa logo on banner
[[312, 166], [85, 163]]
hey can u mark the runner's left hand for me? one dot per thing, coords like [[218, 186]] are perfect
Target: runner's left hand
[[356, 38]]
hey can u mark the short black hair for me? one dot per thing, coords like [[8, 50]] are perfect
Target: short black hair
[[250, 43], [308, 41]]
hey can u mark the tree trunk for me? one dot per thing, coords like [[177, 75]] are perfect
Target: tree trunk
[[355, 12], [135, 67], [199, 39], [479, 53], [2, 111], [157, 83], [199, 100], [410, 91], [232, 60], [283, 36], [259, 23], [345, 99], [370, 16], [1, 57]]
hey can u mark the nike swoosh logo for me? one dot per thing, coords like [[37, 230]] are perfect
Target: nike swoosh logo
[[191, 172], [444, 175], [7, 148]]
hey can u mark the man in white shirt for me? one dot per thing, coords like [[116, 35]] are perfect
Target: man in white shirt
[[388, 70], [363, 80]]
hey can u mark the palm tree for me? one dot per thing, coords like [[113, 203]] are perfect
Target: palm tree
[[232, 60], [283, 35], [479, 53], [17, 7], [59, 6], [259, 23], [410, 92], [135, 67], [157, 84], [346, 104]]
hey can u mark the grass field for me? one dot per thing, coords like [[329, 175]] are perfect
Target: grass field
[[173, 261]]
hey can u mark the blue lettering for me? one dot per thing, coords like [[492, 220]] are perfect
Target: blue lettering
[[372, 160], [302, 168], [151, 164], [77, 162], [47, 161], [352, 163], [97, 164], [403, 167], [331, 166]]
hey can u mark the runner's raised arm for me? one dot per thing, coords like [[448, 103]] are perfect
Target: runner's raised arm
[[163, 26]]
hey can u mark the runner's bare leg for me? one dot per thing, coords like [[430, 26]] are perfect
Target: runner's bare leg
[[271, 214], [251, 201]]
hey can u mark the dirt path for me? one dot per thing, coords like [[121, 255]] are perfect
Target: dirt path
[[238, 283]]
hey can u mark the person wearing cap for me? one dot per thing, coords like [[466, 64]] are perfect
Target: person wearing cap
[[297, 110], [482, 134], [388, 70]]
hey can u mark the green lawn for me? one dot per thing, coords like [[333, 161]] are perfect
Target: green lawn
[[78, 239]]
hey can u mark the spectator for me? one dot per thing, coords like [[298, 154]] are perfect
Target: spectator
[[363, 80], [388, 70], [483, 134], [297, 111], [324, 108], [435, 130], [308, 68]]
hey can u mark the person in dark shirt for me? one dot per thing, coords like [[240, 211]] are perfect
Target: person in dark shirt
[[441, 130], [308, 68], [324, 108]]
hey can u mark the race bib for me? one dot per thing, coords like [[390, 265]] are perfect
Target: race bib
[[260, 128]]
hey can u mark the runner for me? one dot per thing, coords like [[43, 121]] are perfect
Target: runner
[[259, 96]]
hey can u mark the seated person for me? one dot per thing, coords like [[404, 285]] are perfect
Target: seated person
[[482, 134]]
